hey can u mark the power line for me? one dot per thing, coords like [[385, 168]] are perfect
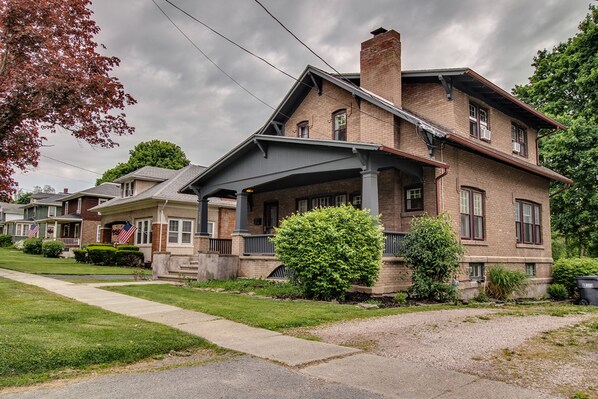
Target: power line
[[70, 164], [209, 59]]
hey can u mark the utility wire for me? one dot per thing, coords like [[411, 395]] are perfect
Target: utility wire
[[277, 68], [209, 59], [70, 164]]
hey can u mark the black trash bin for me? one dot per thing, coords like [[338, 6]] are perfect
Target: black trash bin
[[588, 290]]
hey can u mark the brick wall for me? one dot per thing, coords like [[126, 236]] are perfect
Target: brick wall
[[89, 231], [226, 222]]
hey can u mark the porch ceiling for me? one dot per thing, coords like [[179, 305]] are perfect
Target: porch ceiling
[[268, 162]]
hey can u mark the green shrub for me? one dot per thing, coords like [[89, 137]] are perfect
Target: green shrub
[[330, 249], [81, 255], [481, 297], [52, 249], [432, 251], [20, 245], [401, 298], [5, 240], [565, 270], [558, 292], [125, 247], [33, 246], [503, 282], [100, 244], [102, 255], [129, 258]]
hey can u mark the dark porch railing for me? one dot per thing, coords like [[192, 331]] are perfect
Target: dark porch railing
[[221, 245], [392, 242], [259, 245]]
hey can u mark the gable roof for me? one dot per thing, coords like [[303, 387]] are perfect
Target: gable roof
[[104, 190], [166, 190], [46, 199], [150, 173], [16, 209]]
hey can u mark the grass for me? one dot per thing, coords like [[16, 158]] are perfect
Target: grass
[[262, 312], [37, 264], [44, 336], [261, 287]]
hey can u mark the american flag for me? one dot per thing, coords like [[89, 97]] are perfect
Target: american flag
[[33, 229], [126, 232]]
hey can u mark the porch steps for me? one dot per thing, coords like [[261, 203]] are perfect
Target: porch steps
[[184, 272]]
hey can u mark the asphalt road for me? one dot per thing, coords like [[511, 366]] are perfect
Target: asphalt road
[[239, 377]]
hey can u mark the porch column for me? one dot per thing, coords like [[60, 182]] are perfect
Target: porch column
[[202, 217], [241, 213], [369, 192], [55, 229]]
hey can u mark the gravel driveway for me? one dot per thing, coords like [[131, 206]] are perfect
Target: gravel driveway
[[459, 339]]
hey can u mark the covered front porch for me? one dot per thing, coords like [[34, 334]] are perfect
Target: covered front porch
[[272, 177], [63, 228]]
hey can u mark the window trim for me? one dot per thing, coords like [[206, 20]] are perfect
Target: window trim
[[79, 205], [303, 125], [482, 275], [334, 130], [515, 130], [147, 239], [532, 266], [128, 189], [180, 232], [478, 120], [406, 189], [471, 215], [520, 225], [66, 208], [54, 214]]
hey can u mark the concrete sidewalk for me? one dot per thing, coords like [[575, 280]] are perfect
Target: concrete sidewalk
[[389, 377]]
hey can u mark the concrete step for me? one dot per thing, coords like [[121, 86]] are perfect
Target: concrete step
[[168, 277], [189, 267], [183, 272], [194, 262]]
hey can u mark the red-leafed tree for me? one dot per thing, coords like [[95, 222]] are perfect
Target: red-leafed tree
[[52, 75]]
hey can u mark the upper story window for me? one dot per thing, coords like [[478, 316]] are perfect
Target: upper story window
[[471, 206], [414, 198], [79, 204], [65, 210], [51, 211], [339, 125], [478, 122], [519, 140], [127, 189], [303, 130], [528, 222]]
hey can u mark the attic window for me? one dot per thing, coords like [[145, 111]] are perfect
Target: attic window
[[127, 189], [339, 120], [303, 130]]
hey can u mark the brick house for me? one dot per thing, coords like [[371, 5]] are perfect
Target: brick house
[[400, 143], [75, 225], [148, 198]]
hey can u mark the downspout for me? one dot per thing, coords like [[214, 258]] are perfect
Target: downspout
[[161, 224], [567, 186], [438, 192]]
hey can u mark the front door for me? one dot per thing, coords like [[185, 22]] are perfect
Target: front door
[[270, 217]]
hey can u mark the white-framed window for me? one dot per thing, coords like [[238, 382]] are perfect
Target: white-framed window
[[22, 229], [66, 208], [476, 271], [211, 226], [127, 189], [302, 205], [79, 203], [180, 231], [66, 229], [413, 198], [320, 202], [303, 130], [77, 230], [99, 233], [102, 200], [51, 211], [340, 199], [143, 235]]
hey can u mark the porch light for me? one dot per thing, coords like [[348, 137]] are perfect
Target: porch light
[[249, 190]]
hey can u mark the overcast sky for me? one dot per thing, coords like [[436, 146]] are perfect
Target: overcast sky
[[185, 99]]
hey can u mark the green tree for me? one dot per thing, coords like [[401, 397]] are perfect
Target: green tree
[[162, 154], [564, 86]]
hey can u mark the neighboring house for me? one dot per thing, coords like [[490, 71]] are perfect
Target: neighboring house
[[400, 143], [164, 218], [75, 224], [41, 206], [9, 215]]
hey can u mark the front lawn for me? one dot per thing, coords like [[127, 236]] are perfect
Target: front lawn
[[261, 312], [37, 264], [44, 336]]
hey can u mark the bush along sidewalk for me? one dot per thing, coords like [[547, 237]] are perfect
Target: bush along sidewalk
[[102, 254], [52, 249]]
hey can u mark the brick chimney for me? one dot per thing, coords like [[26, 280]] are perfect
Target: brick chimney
[[66, 190], [380, 65]]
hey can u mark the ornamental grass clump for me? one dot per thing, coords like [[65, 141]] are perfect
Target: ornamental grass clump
[[330, 249], [503, 282], [432, 251]]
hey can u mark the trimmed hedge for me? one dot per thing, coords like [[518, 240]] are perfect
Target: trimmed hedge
[[52, 249], [100, 244], [5, 240], [129, 258], [33, 246], [102, 255], [126, 247], [565, 270], [81, 255]]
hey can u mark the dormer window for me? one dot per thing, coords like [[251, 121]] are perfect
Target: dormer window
[[303, 130], [478, 122], [339, 125], [127, 189]]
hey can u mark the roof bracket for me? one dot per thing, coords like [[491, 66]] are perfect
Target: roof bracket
[[261, 147], [428, 139], [361, 158], [316, 85], [279, 127], [357, 100], [447, 83]]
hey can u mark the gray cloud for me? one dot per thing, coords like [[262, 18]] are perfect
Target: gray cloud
[[184, 99]]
